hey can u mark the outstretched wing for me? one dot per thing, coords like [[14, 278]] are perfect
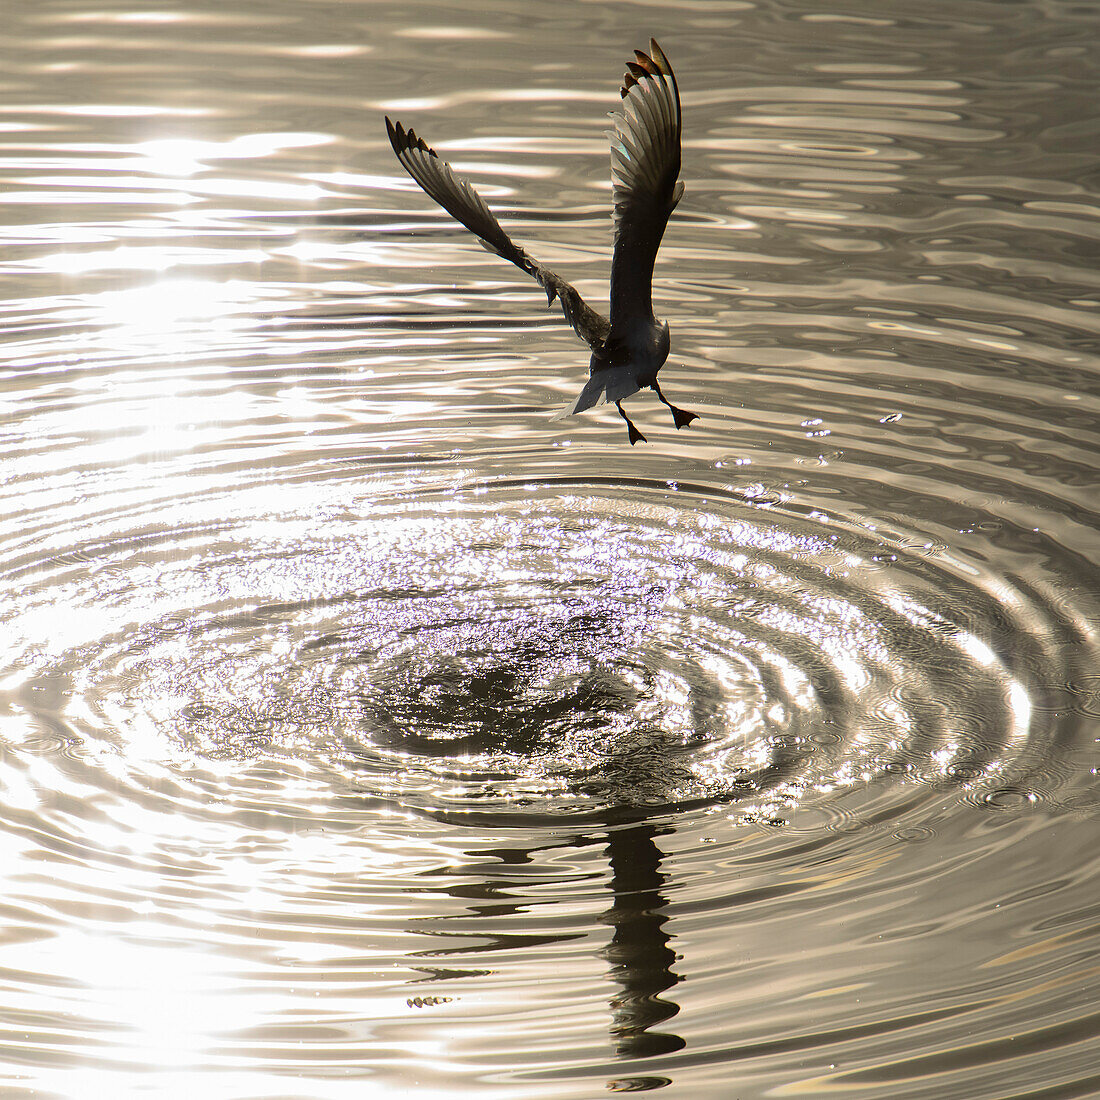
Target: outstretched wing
[[458, 197], [645, 171]]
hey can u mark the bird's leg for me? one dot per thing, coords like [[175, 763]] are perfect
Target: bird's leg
[[682, 417], [635, 435]]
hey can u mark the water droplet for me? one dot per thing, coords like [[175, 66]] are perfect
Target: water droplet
[[965, 770], [1008, 798]]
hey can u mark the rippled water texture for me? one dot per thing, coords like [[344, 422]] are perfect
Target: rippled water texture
[[366, 733]]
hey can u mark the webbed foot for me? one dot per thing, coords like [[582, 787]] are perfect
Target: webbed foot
[[681, 417], [632, 432]]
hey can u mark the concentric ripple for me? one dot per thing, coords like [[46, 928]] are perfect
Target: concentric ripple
[[547, 648]]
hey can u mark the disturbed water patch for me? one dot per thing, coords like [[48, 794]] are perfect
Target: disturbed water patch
[[548, 648]]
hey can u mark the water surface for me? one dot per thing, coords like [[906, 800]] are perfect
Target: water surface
[[365, 731]]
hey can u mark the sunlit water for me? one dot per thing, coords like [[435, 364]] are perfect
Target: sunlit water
[[364, 732]]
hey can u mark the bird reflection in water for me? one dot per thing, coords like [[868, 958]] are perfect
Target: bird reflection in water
[[463, 709], [639, 954], [630, 347]]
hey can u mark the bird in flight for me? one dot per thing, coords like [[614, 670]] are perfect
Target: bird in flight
[[630, 347]]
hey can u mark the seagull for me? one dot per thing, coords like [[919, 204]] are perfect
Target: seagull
[[630, 347]]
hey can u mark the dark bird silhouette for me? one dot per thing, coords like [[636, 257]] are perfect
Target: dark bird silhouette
[[631, 347]]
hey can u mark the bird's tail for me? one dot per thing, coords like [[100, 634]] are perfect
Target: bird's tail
[[609, 384]]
